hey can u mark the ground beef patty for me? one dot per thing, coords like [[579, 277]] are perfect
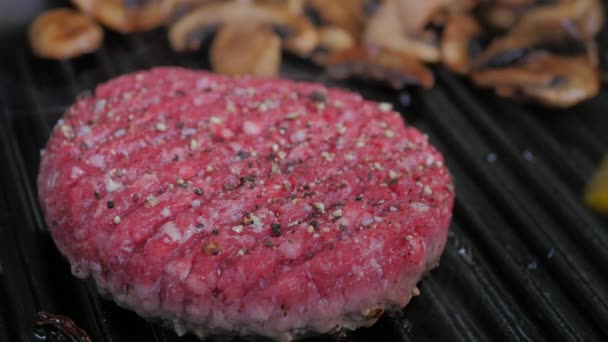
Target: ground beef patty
[[244, 206]]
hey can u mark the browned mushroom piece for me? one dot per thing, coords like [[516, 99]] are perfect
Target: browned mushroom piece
[[583, 18], [551, 25], [240, 49], [349, 15], [458, 37], [503, 14], [299, 36], [179, 8], [547, 28], [400, 25], [380, 64], [440, 17], [127, 15], [332, 39], [293, 6], [64, 33], [557, 81]]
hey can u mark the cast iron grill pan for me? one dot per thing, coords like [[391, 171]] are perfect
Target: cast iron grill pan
[[525, 260]]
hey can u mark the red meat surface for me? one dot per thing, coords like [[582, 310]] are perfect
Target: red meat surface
[[244, 206]]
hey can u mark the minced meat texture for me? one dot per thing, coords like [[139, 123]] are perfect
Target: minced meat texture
[[244, 206]]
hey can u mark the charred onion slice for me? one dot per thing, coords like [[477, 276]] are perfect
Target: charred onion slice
[[556, 81], [458, 35], [64, 33], [125, 15], [399, 25], [301, 37], [240, 49], [392, 67]]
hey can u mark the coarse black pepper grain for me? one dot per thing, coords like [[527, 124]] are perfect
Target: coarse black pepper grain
[[276, 229], [318, 96], [242, 155]]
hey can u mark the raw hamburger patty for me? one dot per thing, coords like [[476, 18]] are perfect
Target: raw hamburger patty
[[244, 206]]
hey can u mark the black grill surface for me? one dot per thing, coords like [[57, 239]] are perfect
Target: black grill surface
[[526, 260]]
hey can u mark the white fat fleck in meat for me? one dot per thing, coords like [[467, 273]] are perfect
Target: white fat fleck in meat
[[204, 83], [251, 128], [120, 132], [112, 185], [100, 105], [320, 207], [180, 267], [236, 169], [67, 131], [349, 115], [165, 212], [216, 120], [198, 101], [385, 106], [95, 267], [79, 270], [419, 206], [298, 136], [188, 233], [171, 230], [196, 203], [258, 226], [343, 221], [83, 130], [97, 160], [367, 219], [291, 249], [188, 131], [77, 172]]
